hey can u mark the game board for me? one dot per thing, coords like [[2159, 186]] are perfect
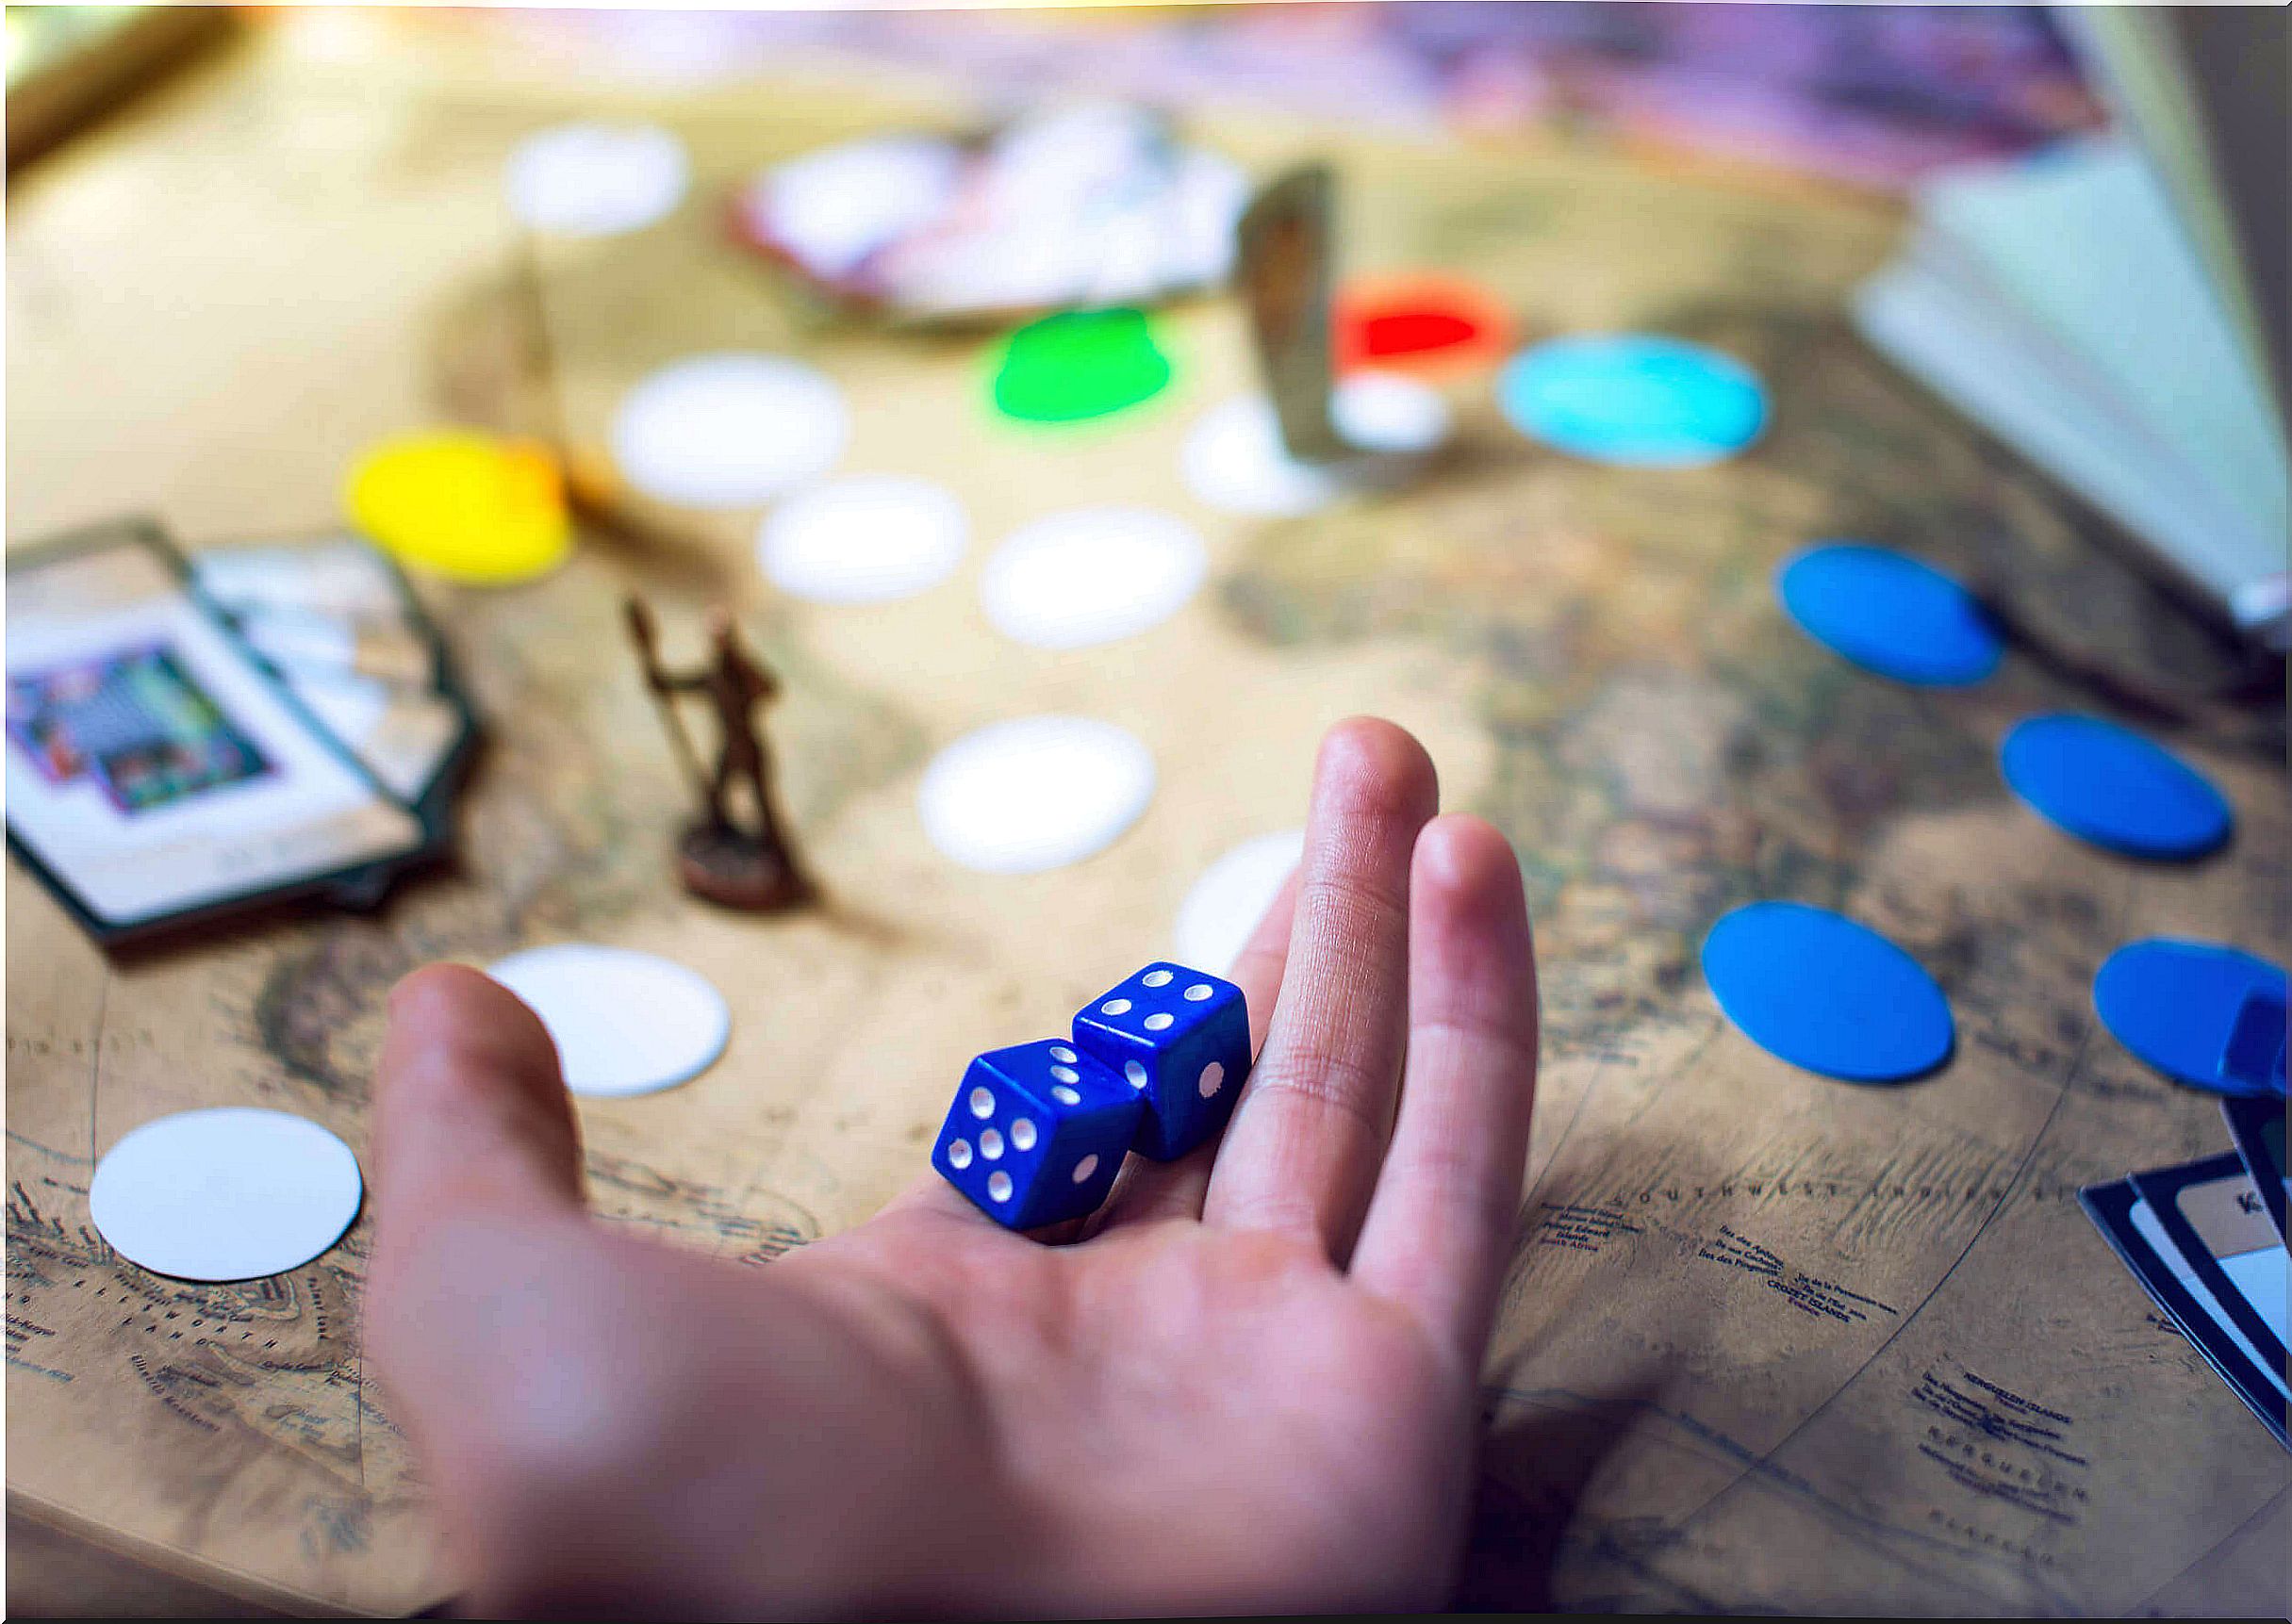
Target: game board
[[1769, 1341]]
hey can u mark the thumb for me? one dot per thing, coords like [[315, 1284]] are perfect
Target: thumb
[[472, 1112]]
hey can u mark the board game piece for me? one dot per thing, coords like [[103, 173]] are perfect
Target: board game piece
[[1285, 256], [1078, 365], [2174, 1004], [1091, 575], [2257, 1124], [1826, 993], [1215, 920], [750, 863], [2215, 1218], [1234, 458], [473, 507], [1633, 399], [2133, 1233], [1084, 205], [233, 1193], [1037, 1133], [865, 539], [728, 430], [1421, 323], [2110, 786], [1034, 793], [1890, 614], [624, 1021], [595, 179], [1181, 1037]]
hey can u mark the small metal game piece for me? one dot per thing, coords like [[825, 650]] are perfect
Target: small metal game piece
[[720, 858], [1285, 271]]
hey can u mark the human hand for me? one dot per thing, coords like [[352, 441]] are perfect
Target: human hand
[[1250, 1387]]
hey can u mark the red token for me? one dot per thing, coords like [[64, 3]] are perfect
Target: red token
[[1421, 323]]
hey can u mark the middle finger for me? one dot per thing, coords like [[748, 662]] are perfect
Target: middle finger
[[1301, 1154]]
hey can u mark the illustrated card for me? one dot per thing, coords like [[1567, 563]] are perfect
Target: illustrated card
[[2133, 1230], [155, 770], [2258, 1124], [337, 621], [134, 723]]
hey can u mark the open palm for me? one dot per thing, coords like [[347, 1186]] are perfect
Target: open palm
[[1248, 1386]]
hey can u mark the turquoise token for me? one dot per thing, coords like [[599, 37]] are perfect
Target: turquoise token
[[1634, 400]]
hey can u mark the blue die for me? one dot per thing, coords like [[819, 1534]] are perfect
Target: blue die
[[1037, 1133], [1181, 1038]]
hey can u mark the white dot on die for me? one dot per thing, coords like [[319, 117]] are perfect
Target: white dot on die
[[1062, 1053], [1214, 1078], [998, 1186], [1159, 1022], [1155, 978], [1087, 1166], [959, 1154], [1067, 1073], [1022, 1135], [991, 1146], [1199, 991], [983, 1103], [1115, 1006], [1065, 1095], [1136, 1074]]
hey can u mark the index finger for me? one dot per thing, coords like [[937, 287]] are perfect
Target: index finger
[[1149, 1190]]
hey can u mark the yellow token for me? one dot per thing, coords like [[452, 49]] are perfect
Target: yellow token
[[471, 507]]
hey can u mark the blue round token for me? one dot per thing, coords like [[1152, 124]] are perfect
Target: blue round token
[[1814, 988], [1633, 399], [2175, 1004], [1889, 613], [2109, 785]]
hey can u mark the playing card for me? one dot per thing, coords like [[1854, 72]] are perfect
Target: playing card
[[338, 623], [157, 770], [2215, 1218], [2134, 1232], [2258, 1124]]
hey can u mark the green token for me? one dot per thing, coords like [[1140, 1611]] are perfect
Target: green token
[[1080, 364]]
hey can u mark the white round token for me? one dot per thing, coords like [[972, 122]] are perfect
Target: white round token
[[1091, 575], [624, 1021], [727, 430], [230, 1194], [1037, 793], [1226, 902], [863, 540], [1234, 458], [1388, 415], [595, 179]]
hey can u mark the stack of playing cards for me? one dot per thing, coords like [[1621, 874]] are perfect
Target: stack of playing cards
[[2207, 1241], [188, 738]]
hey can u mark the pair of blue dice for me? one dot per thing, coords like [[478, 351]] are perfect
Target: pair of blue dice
[[1037, 1132]]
